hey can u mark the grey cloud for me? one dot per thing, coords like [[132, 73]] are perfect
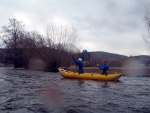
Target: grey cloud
[[111, 18], [98, 21]]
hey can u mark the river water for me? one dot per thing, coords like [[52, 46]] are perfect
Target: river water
[[25, 91]]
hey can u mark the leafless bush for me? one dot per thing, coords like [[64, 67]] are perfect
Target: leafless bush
[[61, 42], [30, 48]]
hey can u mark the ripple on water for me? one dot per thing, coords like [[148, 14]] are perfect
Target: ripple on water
[[21, 92], [5, 86]]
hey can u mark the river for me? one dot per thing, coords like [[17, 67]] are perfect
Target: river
[[26, 91]]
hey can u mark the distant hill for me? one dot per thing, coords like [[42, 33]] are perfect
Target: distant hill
[[96, 56], [142, 57], [92, 58], [106, 55], [113, 59]]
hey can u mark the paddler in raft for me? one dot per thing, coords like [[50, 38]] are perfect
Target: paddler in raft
[[79, 63], [104, 68]]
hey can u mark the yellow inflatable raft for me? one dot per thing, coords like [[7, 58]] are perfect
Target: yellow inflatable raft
[[92, 76]]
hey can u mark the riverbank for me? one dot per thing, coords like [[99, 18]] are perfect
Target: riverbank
[[127, 71]]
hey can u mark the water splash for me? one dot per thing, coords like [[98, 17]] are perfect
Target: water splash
[[132, 68]]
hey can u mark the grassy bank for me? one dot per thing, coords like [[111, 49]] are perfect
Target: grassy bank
[[128, 71]]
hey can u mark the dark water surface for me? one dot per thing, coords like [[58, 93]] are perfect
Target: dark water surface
[[24, 91]]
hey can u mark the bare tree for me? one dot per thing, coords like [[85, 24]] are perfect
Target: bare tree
[[146, 37], [62, 42], [55, 49], [22, 45], [11, 36], [94, 59], [35, 54]]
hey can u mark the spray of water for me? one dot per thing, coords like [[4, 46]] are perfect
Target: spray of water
[[36, 64], [132, 67]]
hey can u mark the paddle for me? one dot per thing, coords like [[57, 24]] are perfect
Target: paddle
[[74, 60]]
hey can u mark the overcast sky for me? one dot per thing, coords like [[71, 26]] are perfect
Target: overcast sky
[[114, 26]]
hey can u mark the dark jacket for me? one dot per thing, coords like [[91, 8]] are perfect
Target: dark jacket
[[80, 66], [104, 69]]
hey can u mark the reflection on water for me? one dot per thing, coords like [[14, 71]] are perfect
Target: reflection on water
[[105, 85], [24, 91]]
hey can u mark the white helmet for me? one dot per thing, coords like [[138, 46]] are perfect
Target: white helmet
[[80, 59]]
